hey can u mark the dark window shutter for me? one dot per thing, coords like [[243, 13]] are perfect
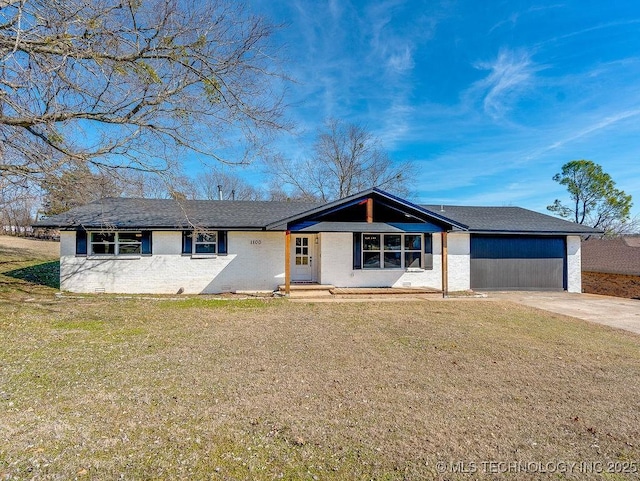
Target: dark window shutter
[[222, 242], [187, 239], [146, 242], [428, 251], [357, 250], [81, 242], [428, 243]]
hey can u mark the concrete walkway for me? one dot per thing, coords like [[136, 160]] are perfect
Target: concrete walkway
[[610, 311]]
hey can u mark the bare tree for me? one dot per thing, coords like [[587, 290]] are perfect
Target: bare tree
[[18, 206], [76, 186], [276, 192], [132, 84], [617, 227], [174, 186], [346, 159], [233, 187], [79, 184]]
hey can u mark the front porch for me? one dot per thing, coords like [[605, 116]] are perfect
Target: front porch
[[313, 290], [368, 241]]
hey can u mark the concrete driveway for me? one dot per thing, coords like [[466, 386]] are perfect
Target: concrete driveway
[[610, 311]]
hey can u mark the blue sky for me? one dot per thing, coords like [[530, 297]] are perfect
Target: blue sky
[[488, 98]]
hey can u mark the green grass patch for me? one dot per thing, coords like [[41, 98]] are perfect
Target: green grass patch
[[217, 303], [46, 274]]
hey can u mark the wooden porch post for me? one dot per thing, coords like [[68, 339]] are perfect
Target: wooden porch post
[[445, 266], [287, 262], [369, 210]]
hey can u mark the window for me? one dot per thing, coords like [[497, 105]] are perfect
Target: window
[[103, 243], [115, 243], [302, 251], [204, 243], [130, 243], [392, 251], [371, 252], [412, 250]]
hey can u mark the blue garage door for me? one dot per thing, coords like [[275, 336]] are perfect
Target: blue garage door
[[522, 262]]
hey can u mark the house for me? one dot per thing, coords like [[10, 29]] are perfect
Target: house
[[612, 266], [370, 239]]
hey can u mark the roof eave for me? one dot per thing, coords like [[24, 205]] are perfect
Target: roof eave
[[70, 227], [534, 232]]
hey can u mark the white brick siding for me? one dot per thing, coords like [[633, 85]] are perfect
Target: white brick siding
[[255, 262], [574, 264], [459, 265], [257, 266]]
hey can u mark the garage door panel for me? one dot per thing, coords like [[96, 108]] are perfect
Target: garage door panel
[[517, 273], [517, 262], [491, 247]]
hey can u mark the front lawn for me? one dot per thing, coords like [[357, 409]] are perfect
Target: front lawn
[[102, 387]]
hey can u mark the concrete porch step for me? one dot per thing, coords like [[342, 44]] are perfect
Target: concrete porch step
[[382, 291], [328, 290], [308, 290]]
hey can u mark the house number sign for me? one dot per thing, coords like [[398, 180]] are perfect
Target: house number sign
[[255, 242]]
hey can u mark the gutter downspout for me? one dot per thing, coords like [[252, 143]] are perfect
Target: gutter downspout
[[445, 266], [287, 263]]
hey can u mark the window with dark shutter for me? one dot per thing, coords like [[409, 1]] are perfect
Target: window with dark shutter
[[146, 242], [428, 251], [392, 251], [81, 243], [222, 242], [187, 241], [206, 243], [357, 250]]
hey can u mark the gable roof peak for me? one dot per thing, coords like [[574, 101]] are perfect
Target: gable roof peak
[[372, 192]]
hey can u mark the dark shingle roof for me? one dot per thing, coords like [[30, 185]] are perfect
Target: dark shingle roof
[[508, 220], [168, 213], [614, 256], [125, 213]]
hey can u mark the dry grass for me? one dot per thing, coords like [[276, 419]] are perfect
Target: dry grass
[[105, 388], [27, 267]]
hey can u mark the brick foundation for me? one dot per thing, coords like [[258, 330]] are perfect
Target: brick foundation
[[617, 285]]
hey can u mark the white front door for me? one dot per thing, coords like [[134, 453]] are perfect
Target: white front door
[[302, 258]]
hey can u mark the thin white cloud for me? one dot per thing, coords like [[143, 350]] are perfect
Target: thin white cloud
[[336, 7], [397, 125], [511, 194], [512, 73], [402, 60], [377, 19], [603, 26], [585, 131], [511, 19], [393, 46], [514, 17]]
